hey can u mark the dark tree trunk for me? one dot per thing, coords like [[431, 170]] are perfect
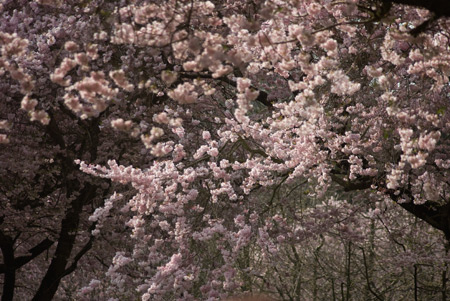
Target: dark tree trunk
[[6, 245], [69, 225]]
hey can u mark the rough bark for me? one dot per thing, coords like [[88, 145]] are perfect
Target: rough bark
[[69, 225], [6, 245]]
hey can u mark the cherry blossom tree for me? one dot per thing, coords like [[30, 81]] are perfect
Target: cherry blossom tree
[[191, 150]]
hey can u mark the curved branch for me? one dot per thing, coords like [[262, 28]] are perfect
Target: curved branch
[[34, 252]]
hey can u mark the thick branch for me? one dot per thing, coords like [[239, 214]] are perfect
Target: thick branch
[[360, 184], [81, 253], [436, 216], [34, 252], [439, 7], [262, 96], [66, 241], [6, 245]]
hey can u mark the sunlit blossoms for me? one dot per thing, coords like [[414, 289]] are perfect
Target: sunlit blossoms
[[198, 150]]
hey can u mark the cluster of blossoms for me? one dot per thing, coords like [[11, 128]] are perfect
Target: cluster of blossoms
[[193, 149], [333, 131]]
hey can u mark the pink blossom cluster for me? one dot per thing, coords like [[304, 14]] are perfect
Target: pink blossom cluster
[[223, 147]]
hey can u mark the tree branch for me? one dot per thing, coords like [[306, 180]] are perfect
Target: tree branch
[[262, 96], [35, 252], [80, 254], [439, 7]]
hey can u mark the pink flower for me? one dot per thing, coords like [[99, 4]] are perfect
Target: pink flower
[[119, 79], [329, 45], [28, 104], [206, 135]]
